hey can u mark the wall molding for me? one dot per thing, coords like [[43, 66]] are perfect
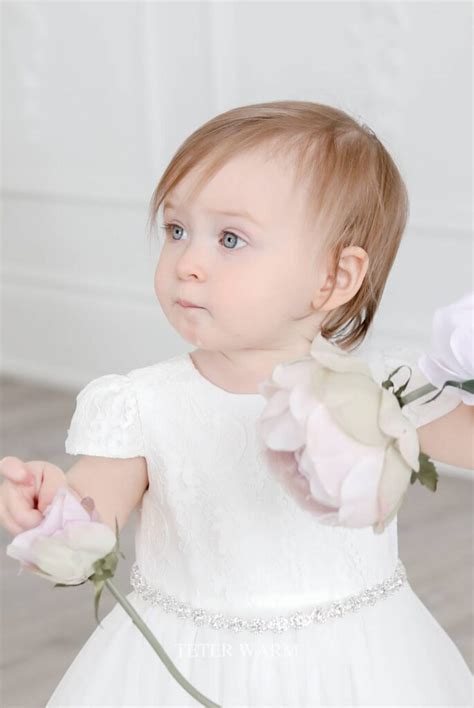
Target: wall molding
[[21, 277], [455, 228], [76, 198]]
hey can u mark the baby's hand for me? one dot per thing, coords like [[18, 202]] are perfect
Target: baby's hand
[[26, 492]]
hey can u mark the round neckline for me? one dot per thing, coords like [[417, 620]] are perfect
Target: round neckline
[[210, 384]]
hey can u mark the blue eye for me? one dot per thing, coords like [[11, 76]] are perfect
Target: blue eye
[[168, 229]]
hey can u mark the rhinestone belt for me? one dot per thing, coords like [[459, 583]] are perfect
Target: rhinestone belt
[[317, 614]]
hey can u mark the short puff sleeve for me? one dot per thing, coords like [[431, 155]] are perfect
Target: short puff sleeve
[[106, 421]]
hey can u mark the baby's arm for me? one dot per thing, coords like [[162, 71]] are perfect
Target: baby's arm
[[116, 485], [450, 438], [106, 432]]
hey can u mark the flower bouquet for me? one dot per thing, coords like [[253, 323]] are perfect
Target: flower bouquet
[[340, 441]]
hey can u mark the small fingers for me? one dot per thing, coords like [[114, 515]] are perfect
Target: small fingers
[[19, 508], [7, 521], [15, 470]]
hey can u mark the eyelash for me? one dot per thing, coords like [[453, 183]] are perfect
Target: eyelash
[[167, 228]]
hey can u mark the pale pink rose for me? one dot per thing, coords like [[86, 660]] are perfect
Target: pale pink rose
[[451, 357], [66, 544], [338, 440]]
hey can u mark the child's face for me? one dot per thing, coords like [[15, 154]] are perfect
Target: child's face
[[254, 291]]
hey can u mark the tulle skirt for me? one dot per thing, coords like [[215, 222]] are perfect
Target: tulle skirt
[[393, 653]]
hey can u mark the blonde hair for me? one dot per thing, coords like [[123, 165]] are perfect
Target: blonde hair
[[356, 195]]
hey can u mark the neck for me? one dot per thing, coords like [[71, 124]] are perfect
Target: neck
[[242, 371]]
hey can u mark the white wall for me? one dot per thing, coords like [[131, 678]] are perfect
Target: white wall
[[97, 96]]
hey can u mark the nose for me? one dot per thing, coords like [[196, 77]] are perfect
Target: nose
[[192, 262]]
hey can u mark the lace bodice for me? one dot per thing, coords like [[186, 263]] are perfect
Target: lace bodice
[[215, 528]]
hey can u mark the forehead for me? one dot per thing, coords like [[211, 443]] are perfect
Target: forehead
[[253, 182]]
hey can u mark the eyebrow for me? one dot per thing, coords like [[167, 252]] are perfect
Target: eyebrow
[[224, 212]]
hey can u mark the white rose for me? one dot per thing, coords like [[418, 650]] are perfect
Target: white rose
[[65, 545], [340, 441], [451, 357]]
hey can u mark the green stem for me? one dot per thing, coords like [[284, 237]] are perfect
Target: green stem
[[150, 637], [417, 393]]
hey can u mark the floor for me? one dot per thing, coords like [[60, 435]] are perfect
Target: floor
[[43, 627]]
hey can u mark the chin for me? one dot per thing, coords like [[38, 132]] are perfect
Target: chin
[[191, 338]]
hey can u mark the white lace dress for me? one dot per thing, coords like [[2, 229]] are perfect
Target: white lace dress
[[236, 555]]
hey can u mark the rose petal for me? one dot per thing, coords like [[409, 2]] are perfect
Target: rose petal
[[354, 401], [359, 490], [282, 432], [64, 505], [331, 451], [317, 489], [290, 374], [284, 468], [452, 338], [342, 362], [396, 425], [393, 483], [66, 544], [59, 562], [462, 345]]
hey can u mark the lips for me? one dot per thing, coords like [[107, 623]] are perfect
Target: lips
[[186, 303]]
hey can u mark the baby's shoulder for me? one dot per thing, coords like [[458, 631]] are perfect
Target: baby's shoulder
[[167, 372], [116, 414], [166, 396]]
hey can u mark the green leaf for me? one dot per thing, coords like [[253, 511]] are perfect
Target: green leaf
[[68, 585], [468, 386], [463, 385], [99, 586], [427, 474], [401, 388], [388, 383], [392, 373], [104, 568]]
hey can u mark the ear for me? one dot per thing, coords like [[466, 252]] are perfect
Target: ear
[[350, 272]]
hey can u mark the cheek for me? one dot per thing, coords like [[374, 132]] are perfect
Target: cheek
[[251, 290], [298, 274], [161, 280], [283, 289]]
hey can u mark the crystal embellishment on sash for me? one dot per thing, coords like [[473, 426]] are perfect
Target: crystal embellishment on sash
[[314, 615]]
